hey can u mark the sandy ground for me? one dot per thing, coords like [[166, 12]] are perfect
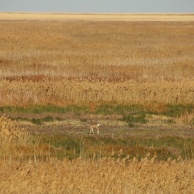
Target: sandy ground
[[96, 17]]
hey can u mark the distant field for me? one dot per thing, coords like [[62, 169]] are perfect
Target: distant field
[[97, 17], [76, 62]]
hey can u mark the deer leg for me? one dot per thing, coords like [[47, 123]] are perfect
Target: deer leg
[[91, 130], [98, 131]]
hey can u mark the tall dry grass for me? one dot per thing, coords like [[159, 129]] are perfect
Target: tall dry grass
[[16, 143], [64, 92], [11, 133], [76, 62], [97, 50], [103, 176]]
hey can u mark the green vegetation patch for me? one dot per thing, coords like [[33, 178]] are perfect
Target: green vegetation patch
[[103, 109], [37, 109], [110, 109], [134, 118], [86, 146], [178, 110], [39, 121]]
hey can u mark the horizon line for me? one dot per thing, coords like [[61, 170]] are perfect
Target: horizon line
[[97, 13]]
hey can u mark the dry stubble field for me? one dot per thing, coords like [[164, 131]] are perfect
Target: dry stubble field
[[91, 63]]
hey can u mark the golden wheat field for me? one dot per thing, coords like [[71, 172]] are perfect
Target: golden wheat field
[[140, 66]]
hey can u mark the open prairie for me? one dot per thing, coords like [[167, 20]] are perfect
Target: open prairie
[[132, 74]]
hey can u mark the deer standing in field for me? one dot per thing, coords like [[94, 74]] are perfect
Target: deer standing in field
[[94, 126]]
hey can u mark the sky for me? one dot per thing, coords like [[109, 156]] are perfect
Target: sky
[[98, 6]]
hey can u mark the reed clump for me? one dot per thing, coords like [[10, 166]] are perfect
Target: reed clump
[[16, 142], [11, 133]]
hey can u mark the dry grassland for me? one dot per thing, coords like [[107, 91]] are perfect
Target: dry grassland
[[10, 133], [97, 50], [103, 176], [66, 92], [83, 61]]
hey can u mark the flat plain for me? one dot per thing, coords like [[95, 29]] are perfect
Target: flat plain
[[95, 17], [133, 74]]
